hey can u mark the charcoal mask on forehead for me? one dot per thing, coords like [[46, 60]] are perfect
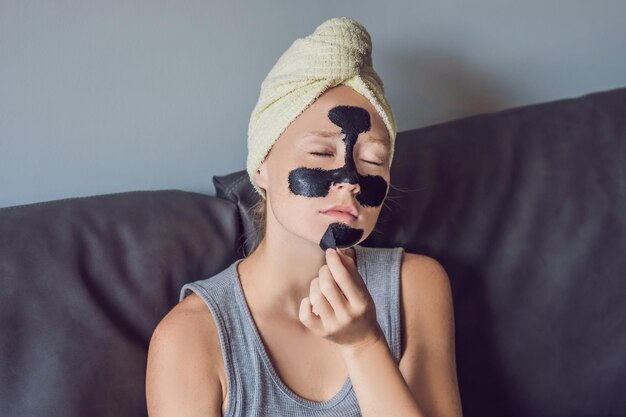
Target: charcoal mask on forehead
[[316, 182]]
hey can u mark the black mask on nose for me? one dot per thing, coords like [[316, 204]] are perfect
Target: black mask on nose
[[316, 182]]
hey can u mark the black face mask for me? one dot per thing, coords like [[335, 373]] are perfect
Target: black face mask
[[316, 182]]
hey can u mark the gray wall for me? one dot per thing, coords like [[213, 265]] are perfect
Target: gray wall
[[110, 96]]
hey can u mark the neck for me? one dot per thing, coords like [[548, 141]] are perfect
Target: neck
[[277, 276]]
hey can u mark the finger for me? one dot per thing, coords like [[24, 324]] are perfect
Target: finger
[[332, 292], [319, 301], [343, 277], [306, 315], [347, 260]]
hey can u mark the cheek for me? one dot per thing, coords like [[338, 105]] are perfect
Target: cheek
[[373, 190], [309, 182], [371, 215], [286, 202]]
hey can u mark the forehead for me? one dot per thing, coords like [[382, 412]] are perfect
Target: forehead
[[315, 117]]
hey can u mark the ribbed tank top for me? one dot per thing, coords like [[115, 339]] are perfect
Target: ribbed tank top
[[254, 386]]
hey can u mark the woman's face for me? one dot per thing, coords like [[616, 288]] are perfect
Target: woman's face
[[335, 153]]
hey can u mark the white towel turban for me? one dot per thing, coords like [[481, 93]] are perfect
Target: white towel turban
[[338, 52]]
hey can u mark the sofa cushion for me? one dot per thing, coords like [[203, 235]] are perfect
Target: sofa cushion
[[526, 210], [84, 281], [236, 187]]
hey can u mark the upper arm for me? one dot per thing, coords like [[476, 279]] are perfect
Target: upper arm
[[180, 375], [428, 364]]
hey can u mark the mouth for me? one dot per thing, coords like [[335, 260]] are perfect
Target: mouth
[[341, 215]]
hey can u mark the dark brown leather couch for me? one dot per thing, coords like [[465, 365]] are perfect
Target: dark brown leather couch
[[525, 208]]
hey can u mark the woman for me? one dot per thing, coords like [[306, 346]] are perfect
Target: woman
[[311, 323]]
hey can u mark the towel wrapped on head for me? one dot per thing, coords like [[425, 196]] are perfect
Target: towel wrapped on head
[[339, 51]]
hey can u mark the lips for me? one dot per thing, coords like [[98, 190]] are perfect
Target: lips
[[343, 212]]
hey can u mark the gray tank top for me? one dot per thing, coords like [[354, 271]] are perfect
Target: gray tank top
[[254, 387]]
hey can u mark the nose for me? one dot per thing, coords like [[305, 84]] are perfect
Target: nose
[[353, 188]]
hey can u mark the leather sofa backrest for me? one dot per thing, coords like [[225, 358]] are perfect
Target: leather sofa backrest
[[83, 283]]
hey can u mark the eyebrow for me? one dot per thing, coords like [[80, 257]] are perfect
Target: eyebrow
[[335, 134]]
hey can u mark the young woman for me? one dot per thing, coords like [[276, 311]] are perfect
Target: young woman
[[311, 323]]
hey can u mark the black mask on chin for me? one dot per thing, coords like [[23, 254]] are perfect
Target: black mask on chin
[[316, 182]]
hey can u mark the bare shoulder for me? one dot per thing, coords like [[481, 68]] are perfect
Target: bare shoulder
[[426, 297], [182, 375], [423, 276], [422, 270], [189, 321]]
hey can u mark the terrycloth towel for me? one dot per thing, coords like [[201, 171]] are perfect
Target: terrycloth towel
[[339, 51]]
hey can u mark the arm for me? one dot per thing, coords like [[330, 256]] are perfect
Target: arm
[[428, 364], [339, 308], [179, 380], [378, 384], [429, 360]]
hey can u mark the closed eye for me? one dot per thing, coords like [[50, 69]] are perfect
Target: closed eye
[[373, 163], [330, 154]]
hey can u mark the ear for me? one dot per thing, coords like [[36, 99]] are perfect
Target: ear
[[260, 177]]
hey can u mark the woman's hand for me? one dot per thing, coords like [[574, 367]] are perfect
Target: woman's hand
[[339, 306]]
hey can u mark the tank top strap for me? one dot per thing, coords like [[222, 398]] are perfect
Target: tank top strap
[[380, 269]]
